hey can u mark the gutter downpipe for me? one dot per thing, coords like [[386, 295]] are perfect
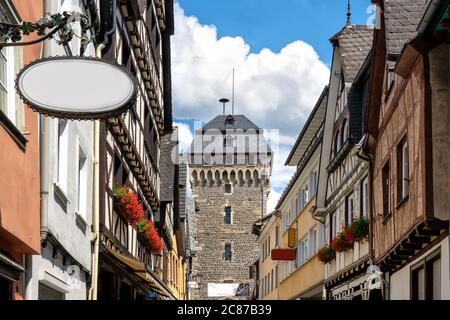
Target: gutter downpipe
[[96, 185], [96, 201], [363, 155], [44, 125]]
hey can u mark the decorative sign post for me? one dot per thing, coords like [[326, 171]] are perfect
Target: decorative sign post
[[283, 254], [76, 87], [71, 87]]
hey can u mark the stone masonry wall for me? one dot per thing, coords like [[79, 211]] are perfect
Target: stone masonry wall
[[209, 265]]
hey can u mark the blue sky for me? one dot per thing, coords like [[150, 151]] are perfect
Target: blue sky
[[274, 24], [282, 55]]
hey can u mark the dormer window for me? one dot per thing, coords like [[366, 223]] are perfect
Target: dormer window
[[345, 132], [337, 142], [229, 121]]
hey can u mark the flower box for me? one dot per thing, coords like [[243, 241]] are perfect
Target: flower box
[[128, 206]]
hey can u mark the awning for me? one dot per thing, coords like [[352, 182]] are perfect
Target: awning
[[139, 270], [9, 268]]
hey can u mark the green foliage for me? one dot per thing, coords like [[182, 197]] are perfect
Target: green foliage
[[46, 27]]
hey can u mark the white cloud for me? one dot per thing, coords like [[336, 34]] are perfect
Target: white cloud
[[185, 136], [273, 199], [275, 90]]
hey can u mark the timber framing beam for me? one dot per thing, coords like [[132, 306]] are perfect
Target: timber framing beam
[[134, 161], [417, 241]]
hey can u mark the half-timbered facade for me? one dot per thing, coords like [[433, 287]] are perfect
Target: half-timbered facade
[[409, 142], [137, 36], [343, 179]]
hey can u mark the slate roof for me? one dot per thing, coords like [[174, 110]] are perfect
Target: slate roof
[[240, 122], [309, 130], [355, 42], [401, 21], [254, 141]]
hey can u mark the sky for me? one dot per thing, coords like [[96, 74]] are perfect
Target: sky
[[282, 56]]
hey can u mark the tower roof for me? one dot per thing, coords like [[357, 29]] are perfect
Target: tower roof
[[234, 122], [355, 42]]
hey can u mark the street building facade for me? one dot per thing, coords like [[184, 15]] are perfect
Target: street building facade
[[19, 160], [268, 280], [408, 140], [303, 277], [63, 270], [136, 34]]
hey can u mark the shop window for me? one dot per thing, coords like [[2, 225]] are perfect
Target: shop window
[[426, 278]]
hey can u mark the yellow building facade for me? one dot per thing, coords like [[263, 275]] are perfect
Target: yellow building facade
[[175, 272], [268, 273], [303, 278]]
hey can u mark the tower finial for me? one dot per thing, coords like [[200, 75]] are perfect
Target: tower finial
[[349, 13], [224, 101]]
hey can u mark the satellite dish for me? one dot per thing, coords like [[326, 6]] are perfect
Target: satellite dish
[[373, 269]]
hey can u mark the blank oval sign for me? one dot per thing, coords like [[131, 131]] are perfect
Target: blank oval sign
[[76, 87]]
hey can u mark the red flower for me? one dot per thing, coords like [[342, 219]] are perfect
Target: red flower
[[131, 208]]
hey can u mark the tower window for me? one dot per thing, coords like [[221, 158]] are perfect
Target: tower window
[[229, 120], [228, 252], [227, 219], [228, 188]]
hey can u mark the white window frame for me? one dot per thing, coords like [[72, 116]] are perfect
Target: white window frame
[[350, 207], [313, 182], [62, 143], [11, 55], [365, 197], [82, 183], [305, 246], [312, 241]]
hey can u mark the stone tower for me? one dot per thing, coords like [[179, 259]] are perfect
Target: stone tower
[[229, 169]]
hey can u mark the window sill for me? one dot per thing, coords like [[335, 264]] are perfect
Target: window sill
[[13, 130], [81, 222], [402, 202], [60, 194]]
